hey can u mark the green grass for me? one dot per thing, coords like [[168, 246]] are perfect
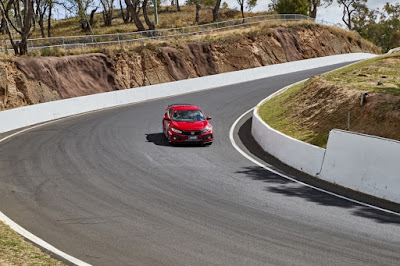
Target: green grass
[[275, 113]]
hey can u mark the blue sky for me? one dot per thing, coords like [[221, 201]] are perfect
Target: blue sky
[[332, 13]]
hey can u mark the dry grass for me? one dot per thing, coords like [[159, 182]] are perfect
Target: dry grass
[[168, 18], [366, 75], [14, 250]]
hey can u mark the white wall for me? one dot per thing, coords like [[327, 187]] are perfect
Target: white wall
[[363, 163], [300, 155], [30, 115]]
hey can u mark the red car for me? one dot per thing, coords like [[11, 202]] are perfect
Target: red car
[[186, 123]]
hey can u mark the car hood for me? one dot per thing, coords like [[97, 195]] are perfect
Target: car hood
[[190, 126]]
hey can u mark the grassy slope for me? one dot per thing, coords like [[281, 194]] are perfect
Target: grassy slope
[[310, 110]]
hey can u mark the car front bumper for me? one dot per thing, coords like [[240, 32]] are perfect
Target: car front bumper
[[180, 138]]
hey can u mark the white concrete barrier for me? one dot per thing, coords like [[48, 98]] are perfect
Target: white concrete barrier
[[363, 163], [299, 155], [30, 115]]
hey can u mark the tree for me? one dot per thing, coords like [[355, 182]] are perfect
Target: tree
[[149, 23], [349, 7], [314, 4], [51, 6], [199, 4], [41, 8], [215, 10], [197, 18], [80, 8], [250, 4], [3, 25], [133, 7], [290, 6], [108, 8], [380, 27], [24, 13], [125, 17]]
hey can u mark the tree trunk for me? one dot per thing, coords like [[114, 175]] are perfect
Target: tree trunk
[[215, 10], [131, 8], [314, 10], [3, 26], [41, 25], [49, 19], [198, 7], [146, 16], [178, 7], [92, 16], [124, 18], [242, 11], [107, 18]]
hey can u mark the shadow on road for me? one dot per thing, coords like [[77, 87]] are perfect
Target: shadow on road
[[157, 138], [291, 189]]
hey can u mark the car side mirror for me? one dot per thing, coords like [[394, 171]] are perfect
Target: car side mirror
[[208, 118], [166, 118]]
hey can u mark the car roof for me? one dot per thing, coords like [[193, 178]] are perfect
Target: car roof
[[184, 107]]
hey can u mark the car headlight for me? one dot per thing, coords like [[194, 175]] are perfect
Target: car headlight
[[208, 128], [176, 130]]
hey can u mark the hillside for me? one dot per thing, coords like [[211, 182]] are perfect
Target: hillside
[[310, 110], [168, 17], [38, 79]]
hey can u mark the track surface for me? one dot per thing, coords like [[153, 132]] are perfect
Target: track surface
[[107, 188]]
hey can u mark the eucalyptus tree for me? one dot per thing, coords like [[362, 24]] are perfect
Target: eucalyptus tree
[[291, 6], [42, 6], [250, 4], [126, 17], [108, 8], [215, 10], [314, 4], [149, 23], [133, 7], [349, 8], [19, 16]]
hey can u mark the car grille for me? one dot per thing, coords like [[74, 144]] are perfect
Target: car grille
[[189, 133]]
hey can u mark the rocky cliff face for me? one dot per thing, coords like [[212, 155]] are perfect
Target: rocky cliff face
[[31, 80]]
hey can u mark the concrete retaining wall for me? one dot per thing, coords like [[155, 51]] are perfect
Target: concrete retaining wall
[[300, 155], [363, 163], [30, 115]]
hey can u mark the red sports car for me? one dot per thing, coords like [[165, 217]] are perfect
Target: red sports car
[[186, 123]]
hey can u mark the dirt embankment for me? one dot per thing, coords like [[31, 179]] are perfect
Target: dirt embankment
[[325, 101], [31, 80]]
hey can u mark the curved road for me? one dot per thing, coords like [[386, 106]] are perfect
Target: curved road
[[107, 188]]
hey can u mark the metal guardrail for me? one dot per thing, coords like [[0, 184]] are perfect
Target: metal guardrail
[[68, 42]]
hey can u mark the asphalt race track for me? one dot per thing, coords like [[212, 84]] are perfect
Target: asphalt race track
[[107, 188]]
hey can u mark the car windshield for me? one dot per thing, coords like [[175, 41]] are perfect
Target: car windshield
[[188, 115]]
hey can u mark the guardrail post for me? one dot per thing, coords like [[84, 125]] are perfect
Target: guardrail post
[[119, 41], [63, 42]]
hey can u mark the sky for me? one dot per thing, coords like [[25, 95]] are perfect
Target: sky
[[332, 13]]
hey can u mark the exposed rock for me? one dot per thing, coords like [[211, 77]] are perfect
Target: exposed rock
[[71, 76], [173, 58]]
